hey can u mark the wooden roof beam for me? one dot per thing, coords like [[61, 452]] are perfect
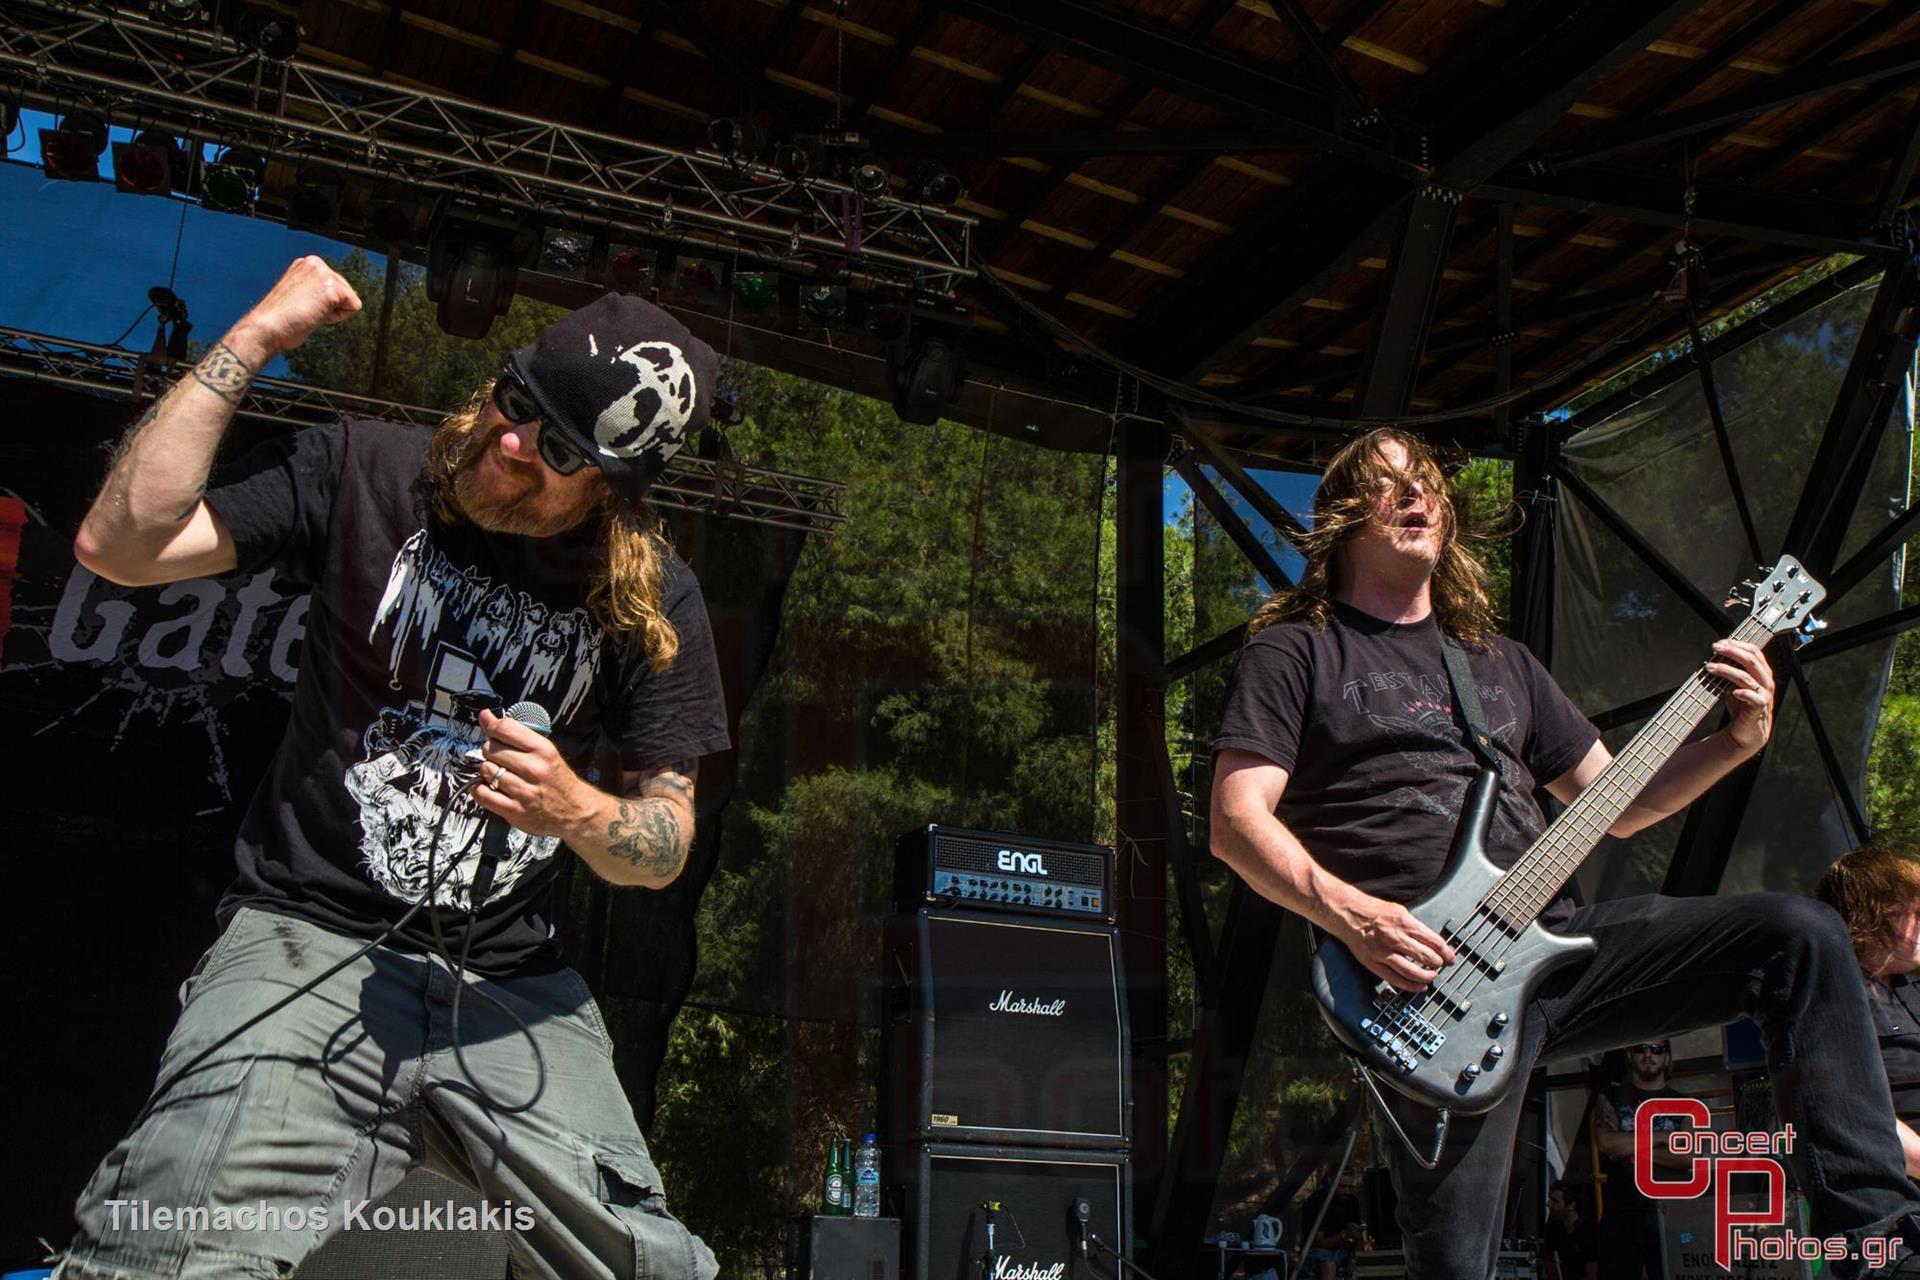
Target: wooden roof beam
[[1489, 103], [1659, 200], [1181, 64], [1900, 63]]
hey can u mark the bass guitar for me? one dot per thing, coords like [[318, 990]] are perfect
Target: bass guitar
[[1452, 1046]]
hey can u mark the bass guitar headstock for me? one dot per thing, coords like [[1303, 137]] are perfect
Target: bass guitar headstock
[[1783, 602]]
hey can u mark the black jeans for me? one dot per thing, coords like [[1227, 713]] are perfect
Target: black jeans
[[1668, 965]]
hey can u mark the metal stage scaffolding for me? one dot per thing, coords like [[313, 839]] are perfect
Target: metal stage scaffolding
[[720, 487]]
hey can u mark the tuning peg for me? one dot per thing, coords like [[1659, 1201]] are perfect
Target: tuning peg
[[1808, 630], [1742, 594]]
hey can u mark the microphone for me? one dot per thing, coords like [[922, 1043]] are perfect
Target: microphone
[[493, 840], [1082, 1215]]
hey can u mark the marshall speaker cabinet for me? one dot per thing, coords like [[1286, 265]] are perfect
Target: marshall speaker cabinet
[[950, 1193], [1005, 1029]]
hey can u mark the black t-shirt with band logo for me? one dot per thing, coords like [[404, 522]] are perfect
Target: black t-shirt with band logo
[[412, 625], [1360, 713]]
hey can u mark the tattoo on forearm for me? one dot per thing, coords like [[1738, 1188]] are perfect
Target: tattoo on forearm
[[676, 781], [647, 835], [224, 373]]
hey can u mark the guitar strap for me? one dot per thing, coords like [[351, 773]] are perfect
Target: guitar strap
[[1466, 695]]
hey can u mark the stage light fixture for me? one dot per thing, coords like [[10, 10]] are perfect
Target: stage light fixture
[[232, 183], [170, 312], [926, 378], [737, 140], [756, 291], [268, 32], [151, 165], [697, 278], [472, 264], [868, 175], [795, 159], [565, 252], [175, 13], [72, 152], [824, 305], [313, 203], [393, 213], [934, 183], [629, 268]]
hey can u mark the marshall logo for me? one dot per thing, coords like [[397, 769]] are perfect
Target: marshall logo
[[1007, 1004], [1026, 864], [1005, 1268]]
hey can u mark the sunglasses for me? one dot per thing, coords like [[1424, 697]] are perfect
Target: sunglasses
[[517, 405], [1649, 1048]]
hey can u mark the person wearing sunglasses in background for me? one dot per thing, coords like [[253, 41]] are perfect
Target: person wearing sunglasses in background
[[1630, 1222], [507, 559], [1876, 890]]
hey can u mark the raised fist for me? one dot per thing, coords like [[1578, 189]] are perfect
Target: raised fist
[[308, 296]]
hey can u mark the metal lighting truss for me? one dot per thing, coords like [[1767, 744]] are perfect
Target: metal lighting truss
[[715, 487], [200, 83]]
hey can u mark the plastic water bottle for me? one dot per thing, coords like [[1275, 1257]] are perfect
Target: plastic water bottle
[[866, 1179]]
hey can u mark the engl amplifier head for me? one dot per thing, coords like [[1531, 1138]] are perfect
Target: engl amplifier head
[[1003, 871]]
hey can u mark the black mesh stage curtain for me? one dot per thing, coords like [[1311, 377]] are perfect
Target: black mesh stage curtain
[[139, 722]]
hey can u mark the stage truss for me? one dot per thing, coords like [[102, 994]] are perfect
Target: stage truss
[[200, 85], [708, 486]]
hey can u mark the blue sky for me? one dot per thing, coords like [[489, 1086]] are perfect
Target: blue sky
[[81, 255]]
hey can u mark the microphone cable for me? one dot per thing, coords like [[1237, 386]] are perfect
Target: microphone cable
[[1115, 1254], [534, 717], [161, 1090]]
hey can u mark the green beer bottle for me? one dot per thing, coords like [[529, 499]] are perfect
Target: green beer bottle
[[835, 1200]]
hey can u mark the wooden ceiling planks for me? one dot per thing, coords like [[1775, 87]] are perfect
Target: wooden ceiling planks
[[1100, 239]]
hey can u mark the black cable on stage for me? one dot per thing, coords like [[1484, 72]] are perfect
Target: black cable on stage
[[161, 1090], [130, 328], [460, 985], [1115, 1254]]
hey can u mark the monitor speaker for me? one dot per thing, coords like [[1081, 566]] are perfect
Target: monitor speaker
[[415, 1252]]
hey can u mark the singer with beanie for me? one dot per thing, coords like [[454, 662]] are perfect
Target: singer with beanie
[[504, 666]]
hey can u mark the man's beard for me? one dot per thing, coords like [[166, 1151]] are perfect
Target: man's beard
[[536, 512]]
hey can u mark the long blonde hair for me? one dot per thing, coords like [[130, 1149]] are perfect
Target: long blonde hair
[[624, 594], [1343, 506]]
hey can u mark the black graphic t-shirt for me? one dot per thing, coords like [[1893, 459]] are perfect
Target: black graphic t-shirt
[[1360, 714], [413, 625], [1896, 1021], [1623, 1194], [1571, 1248]]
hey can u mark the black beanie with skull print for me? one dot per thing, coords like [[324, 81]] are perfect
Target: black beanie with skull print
[[624, 381]]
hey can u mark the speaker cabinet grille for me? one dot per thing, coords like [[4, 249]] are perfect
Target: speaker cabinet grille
[[945, 1185], [1006, 1029]]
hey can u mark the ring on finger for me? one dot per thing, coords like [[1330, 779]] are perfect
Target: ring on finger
[[499, 772]]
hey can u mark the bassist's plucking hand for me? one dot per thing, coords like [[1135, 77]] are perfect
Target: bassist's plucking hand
[[1386, 938]]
